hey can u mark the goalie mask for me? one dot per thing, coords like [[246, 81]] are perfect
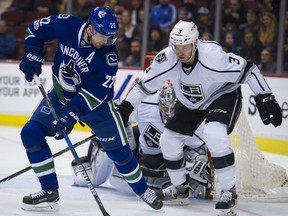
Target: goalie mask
[[184, 33], [167, 101], [104, 21]]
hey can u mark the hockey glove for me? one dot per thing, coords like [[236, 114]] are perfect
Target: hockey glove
[[125, 109], [269, 109], [32, 62], [65, 123]]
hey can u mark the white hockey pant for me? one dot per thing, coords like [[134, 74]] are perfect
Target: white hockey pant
[[172, 144], [219, 145]]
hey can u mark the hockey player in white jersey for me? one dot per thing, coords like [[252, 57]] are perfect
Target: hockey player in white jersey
[[207, 83], [150, 117]]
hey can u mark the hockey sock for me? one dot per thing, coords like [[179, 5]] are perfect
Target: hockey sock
[[128, 166]]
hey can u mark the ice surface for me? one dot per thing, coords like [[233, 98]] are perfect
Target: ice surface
[[79, 201]]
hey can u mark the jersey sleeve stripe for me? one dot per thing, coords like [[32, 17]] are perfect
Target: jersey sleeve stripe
[[247, 71], [218, 71], [160, 74]]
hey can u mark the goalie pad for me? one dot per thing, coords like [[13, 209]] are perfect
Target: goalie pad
[[97, 164], [77, 171]]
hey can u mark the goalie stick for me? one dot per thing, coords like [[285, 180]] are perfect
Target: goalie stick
[[72, 149], [54, 156]]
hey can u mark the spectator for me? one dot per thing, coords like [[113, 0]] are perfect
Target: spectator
[[234, 15], [155, 42], [7, 42], [82, 9], [252, 23], [115, 5], [122, 45], [204, 22], [267, 64], [268, 30], [131, 31], [141, 17], [163, 15], [50, 7], [182, 14], [230, 43], [192, 9], [207, 36], [266, 6], [251, 47], [134, 59], [136, 6], [22, 5]]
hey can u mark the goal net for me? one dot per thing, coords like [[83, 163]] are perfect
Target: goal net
[[256, 177]]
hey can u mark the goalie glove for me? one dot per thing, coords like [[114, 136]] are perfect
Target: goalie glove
[[269, 109], [200, 172]]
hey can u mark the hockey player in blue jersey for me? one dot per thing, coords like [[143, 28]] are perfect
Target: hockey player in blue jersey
[[84, 70]]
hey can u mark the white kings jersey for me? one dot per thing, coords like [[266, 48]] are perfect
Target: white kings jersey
[[151, 126], [213, 74]]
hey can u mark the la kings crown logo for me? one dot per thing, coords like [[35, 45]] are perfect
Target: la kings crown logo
[[193, 93], [152, 136]]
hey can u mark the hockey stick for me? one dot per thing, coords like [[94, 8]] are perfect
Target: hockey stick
[[54, 155], [74, 153]]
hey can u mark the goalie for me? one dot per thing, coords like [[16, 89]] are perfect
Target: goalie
[[144, 141]]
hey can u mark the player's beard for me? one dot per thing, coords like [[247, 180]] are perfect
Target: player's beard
[[189, 60]]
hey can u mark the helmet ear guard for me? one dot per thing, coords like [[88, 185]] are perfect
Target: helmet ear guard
[[104, 22], [184, 33]]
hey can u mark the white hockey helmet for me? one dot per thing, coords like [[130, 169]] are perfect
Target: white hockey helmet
[[184, 33]]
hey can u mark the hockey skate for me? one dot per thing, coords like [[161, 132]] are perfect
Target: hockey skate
[[150, 197], [175, 195], [227, 202], [41, 201]]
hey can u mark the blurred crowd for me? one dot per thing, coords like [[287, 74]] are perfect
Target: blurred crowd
[[249, 28]]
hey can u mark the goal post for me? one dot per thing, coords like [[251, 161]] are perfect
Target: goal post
[[256, 177]]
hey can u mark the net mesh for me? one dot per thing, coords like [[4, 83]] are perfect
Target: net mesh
[[256, 177]]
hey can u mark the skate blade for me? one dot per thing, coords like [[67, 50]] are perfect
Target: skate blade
[[227, 212], [46, 207], [176, 202]]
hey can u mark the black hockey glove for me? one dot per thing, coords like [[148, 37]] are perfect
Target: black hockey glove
[[125, 109], [65, 123], [32, 62], [269, 109]]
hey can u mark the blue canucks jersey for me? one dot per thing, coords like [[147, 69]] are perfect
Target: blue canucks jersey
[[83, 75]]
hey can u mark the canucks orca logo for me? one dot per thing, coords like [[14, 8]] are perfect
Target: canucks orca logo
[[68, 77]]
